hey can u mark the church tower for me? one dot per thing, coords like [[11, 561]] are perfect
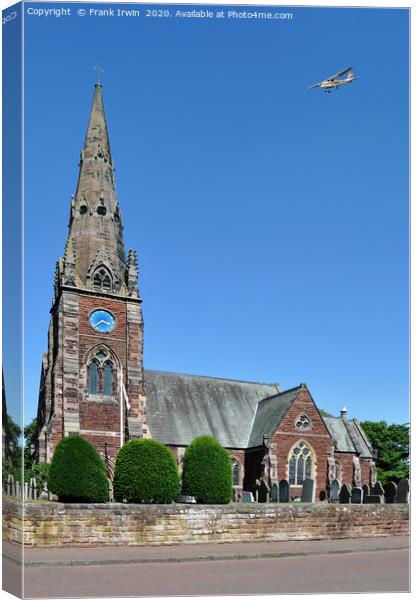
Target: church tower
[[92, 375]]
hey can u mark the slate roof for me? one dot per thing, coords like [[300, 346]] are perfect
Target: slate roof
[[237, 413], [181, 407], [348, 436], [269, 414]]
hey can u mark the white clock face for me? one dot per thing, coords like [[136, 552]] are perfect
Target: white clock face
[[102, 321]]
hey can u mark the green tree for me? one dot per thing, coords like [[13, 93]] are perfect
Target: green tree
[[77, 473], [145, 471], [207, 471], [391, 443]]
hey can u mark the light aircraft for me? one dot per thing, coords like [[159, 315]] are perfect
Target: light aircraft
[[334, 82]]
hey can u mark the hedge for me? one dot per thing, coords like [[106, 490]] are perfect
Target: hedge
[[77, 473], [145, 471], [207, 471]]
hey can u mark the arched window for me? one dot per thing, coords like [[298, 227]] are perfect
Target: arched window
[[102, 280], [93, 377], [235, 465], [102, 375], [300, 463], [108, 379]]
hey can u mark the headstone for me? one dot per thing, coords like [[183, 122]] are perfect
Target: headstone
[[357, 495], [390, 493], [372, 499], [322, 495], [366, 490], [26, 491], [263, 492], [308, 490], [284, 491], [377, 489], [274, 493], [345, 494], [247, 497], [403, 491], [334, 491], [10, 484]]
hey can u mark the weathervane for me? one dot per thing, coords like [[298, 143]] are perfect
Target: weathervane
[[99, 70]]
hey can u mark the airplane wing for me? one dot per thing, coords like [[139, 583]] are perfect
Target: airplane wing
[[314, 86], [340, 74]]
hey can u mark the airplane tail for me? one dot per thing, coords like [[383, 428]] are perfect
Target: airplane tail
[[350, 76]]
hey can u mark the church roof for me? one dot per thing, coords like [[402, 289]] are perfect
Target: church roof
[[181, 407], [348, 436], [269, 414]]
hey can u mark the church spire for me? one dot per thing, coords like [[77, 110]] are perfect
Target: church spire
[[95, 231]]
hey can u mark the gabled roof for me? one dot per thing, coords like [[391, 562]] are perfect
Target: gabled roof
[[269, 414], [348, 436], [181, 407]]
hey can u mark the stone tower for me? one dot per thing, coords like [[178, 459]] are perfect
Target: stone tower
[[92, 374]]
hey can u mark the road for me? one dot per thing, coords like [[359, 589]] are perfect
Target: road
[[382, 571]]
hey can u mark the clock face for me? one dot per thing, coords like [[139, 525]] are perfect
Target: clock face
[[102, 321]]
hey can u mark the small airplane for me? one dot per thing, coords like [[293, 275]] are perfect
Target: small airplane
[[334, 82]]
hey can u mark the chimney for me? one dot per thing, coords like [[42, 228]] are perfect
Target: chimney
[[344, 412]]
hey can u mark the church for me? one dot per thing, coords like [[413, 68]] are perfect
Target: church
[[93, 381]]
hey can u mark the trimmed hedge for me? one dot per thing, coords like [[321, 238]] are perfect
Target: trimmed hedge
[[145, 471], [77, 473], [207, 471]]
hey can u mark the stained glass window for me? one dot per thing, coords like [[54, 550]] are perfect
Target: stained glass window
[[93, 378], [300, 464], [102, 280]]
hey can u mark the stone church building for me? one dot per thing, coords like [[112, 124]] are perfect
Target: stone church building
[[93, 382]]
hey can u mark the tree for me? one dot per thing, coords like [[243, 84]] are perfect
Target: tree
[[77, 473], [391, 443], [146, 471], [324, 413], [207, 471]]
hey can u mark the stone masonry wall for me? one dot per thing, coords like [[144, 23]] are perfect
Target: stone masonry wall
[[54, 524]]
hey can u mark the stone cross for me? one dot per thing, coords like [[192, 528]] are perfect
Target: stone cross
[[99, 70]]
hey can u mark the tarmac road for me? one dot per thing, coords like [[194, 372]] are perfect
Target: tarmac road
[[361, 571]]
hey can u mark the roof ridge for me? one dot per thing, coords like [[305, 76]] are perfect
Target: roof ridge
[[208, 377]]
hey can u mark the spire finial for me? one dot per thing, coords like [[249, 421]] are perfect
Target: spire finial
[[98, 68]]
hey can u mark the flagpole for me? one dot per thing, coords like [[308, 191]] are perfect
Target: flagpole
[[121, 407]]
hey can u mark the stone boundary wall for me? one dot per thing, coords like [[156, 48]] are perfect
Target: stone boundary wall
[[54, 524]]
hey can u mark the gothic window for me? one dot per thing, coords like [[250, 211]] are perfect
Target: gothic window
[[102, 375], [108, 379], [300, 464], [235, 465], [102, 280], [83, 209], [303, 422], [102, 211], [93, 378]]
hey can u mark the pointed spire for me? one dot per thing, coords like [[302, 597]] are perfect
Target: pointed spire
[[132, 273], [95, 219]]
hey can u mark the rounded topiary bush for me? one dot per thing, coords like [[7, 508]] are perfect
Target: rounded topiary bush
[[77, 473], [207, 471], [145, 471]]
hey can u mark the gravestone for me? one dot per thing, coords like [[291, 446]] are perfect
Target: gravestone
[[322, 495], [10, 484], [308, 490], [247, 497], [372, 499], [377, 489], [390, 493], [403, 491], [366, 490], [357, 495], [334, 492], [274, 493], [262, 492], [345, 494], [284, 491]]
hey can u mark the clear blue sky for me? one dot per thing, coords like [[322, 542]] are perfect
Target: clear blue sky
[[271, 222]]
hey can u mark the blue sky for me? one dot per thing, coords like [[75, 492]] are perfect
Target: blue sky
[[271, 222]]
